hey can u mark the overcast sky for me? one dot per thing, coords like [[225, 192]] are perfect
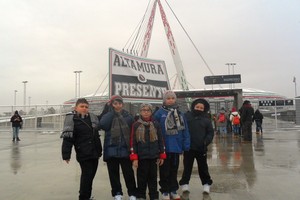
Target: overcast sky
[[44, 41]]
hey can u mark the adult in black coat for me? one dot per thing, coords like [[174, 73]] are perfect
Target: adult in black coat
[[247, 113], [201, 134], [16, 122]]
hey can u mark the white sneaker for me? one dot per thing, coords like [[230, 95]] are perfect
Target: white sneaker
[[132, 198], [174, 196], [118, 197], [165, 196], [206, 188], [184, 187]]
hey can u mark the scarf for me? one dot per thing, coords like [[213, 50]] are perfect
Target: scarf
[[174, 121], [68, 129], [119, 127], [141, 130]]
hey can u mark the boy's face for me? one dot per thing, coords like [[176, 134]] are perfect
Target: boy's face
[[82, 108], [117, 105], [199, 106], [170, 101], [146, 112]]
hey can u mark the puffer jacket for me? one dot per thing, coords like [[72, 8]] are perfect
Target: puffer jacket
[[147, 149], [111, 150], [174, 143], [201, 131], [86, 141]]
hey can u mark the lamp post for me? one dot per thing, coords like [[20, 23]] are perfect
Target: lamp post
[[295, 82], [77, 83], [24, 102], [228, 65], [15, 97]]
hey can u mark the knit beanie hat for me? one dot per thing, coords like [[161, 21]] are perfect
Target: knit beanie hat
[[167, 94], [146, 105], [116, 98]]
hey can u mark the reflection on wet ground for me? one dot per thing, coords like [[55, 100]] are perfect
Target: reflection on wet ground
[[267, 168]]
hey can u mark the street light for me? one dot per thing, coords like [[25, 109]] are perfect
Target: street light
[[77, 83], [230, 64], [15, 97], [24, 102]]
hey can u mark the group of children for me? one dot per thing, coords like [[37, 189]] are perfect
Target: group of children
[[150, 141]]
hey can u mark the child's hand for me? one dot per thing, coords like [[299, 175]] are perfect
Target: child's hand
[[135, 163], [160, 162]]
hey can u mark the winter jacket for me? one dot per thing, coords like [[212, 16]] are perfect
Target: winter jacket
[[111, 150], [147, 149], [232, 115], [16, 120], [201, 131], [247, 113], [176, 143], [258, 116], [86, 140]]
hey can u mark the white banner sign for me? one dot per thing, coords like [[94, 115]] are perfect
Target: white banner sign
[[137, 78]]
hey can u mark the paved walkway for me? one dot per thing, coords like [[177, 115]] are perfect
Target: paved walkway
[[268, 168]]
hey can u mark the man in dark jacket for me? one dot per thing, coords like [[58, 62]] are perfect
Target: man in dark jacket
[[81, 131], [247, 113], [16, 122], [201, 133]]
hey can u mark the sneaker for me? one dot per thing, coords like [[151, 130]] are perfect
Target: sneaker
[[206, 188], [118, 197], [165, 196], [175, 196], [18, 139], [132, 198], [184, 187]]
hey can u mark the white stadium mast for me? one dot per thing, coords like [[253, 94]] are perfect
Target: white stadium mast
[[171, 41]]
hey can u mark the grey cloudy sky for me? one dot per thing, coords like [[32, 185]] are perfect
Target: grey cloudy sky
[[44, 41]]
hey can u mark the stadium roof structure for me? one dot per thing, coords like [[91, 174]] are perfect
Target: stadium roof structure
[[248, 93]]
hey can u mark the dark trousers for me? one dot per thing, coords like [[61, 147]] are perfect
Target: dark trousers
[[147, 175], [168, 173], [247, 130], [258, 126], [188, 161], [88, 172], [113, 166]]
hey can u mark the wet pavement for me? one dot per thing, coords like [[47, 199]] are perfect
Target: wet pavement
[[267, 168]]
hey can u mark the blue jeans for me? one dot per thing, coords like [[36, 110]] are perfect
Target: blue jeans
[[16, 132], [236, 129], [258, 126]]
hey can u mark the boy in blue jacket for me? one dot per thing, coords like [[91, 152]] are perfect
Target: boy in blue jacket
[[177, 140], [117, 123]]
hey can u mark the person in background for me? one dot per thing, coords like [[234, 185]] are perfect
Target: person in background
[[258, 118], [81, 131], [16, 121], [116, 123], [235, 121], [147, 151], [177, 140], [222, 122], [201, 133], [247, 113]]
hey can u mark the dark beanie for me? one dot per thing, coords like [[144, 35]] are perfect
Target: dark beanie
[[202, 101], [116, 98]]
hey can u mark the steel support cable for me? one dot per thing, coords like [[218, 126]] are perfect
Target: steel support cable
[[140, 27], [100, 85], [130, 40], [190, 39]]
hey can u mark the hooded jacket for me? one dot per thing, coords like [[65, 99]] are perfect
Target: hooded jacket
[[200, 127]]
